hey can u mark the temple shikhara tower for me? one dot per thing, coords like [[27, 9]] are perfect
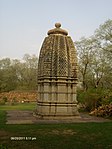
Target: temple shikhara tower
[[57, 76]]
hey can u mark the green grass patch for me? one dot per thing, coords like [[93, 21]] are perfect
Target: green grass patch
[[53, 136], [2, 117], [58, 136], [23, 106]]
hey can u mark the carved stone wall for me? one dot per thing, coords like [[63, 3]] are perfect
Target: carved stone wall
[[57, 76], [57, 57]]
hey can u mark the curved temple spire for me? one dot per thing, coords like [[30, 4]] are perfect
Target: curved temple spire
[[57, 76]]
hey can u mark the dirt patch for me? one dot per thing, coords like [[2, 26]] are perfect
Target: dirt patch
[[62, 132], [20, 117], [4, 136], [3, 133], [69, 132], [26, 117]]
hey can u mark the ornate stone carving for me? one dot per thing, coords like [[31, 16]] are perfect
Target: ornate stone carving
[[57, 76]]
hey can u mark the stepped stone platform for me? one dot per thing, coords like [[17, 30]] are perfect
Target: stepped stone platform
[[27, 117]]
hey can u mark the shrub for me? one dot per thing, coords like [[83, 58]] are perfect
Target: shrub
[[90, 99], [103, 111], [2, 102], [5, 99], [18, 96], [107, 99], [14, 101], [93, 98]]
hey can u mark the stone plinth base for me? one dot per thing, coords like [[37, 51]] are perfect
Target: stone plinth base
[[55, 117], [48, 110]]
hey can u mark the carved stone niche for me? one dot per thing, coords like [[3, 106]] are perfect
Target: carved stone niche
[[57, 77]]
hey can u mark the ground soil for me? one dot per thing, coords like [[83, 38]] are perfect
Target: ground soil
[[27, 117]]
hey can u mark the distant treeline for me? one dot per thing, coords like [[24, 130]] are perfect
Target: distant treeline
[[18, 74]]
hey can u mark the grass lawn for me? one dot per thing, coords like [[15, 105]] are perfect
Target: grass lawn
[[54, 136], [58, 136], [2, 117], [22, 106]]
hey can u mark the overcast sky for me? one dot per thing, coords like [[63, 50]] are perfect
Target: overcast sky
[[25, 23]]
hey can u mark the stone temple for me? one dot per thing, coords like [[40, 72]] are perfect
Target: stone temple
[[57, 76]]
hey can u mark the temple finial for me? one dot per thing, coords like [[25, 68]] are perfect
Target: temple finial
[[57, 25]]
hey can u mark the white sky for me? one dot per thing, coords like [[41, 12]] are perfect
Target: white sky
[[25, 23]]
